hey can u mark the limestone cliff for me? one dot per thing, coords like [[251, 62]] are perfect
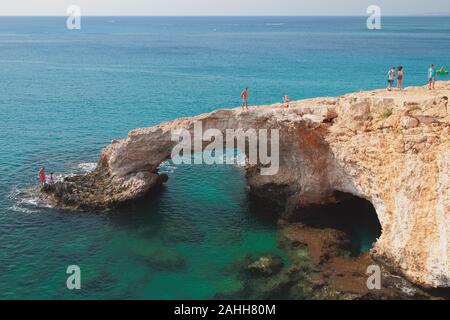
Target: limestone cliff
[[391, 148]]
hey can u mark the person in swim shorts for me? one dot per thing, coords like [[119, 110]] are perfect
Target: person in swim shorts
[[391, 77], [244, 96], [431, 77]]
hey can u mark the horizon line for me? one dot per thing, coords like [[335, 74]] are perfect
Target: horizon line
[[229, 16]]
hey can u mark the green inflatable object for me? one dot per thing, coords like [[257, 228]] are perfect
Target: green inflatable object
[[442, 70]]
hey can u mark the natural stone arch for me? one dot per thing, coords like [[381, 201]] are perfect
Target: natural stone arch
[[134, 161], [399, 161]]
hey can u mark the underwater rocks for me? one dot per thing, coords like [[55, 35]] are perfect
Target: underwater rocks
[[335, 273], [161, 258], [263, 276], [265, 265], [256, 265], [322, 244], [390, 148], [319, 267]]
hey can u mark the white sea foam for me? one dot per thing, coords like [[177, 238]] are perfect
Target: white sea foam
[[27, 200], [167, 167], [238, 160], [87, 167], [22, 209]]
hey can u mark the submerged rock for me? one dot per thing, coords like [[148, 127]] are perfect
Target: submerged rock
[[319, 267], [252, 266], [322, 244], [334, 273], [263, 277], [265, 265], [161, 258]]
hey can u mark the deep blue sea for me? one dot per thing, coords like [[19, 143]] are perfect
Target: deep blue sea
[[66, 94]]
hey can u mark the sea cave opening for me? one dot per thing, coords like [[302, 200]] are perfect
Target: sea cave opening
[[350, 214]]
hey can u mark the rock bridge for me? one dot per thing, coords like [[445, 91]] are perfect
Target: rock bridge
[[392, 149]]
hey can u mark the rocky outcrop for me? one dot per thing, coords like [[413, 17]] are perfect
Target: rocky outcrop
[[265, 265], [391, 148]]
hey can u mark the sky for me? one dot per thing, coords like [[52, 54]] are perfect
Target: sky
[[221, 7]]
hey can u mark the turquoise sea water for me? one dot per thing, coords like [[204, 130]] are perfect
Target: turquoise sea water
[[66, 94]]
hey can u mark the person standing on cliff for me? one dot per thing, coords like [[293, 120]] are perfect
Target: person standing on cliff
[[400, 78], [286, 101], [42, 175], [391, 77], [51, 178], [431, 77], [244, 96]]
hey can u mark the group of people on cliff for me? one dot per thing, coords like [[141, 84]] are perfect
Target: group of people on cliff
[[46, 179], [391, 78], [393, 72]]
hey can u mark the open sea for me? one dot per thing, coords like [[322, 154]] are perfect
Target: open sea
[[65, 94]]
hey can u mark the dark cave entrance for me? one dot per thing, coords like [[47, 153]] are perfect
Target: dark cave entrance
[[351, 214], [354, 216]]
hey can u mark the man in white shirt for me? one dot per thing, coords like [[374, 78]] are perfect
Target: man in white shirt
[[391, 77]]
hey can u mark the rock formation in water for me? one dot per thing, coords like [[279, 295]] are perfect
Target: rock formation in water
[[391, 148]]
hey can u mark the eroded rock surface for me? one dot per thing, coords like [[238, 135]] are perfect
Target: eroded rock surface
[[391, 148]]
